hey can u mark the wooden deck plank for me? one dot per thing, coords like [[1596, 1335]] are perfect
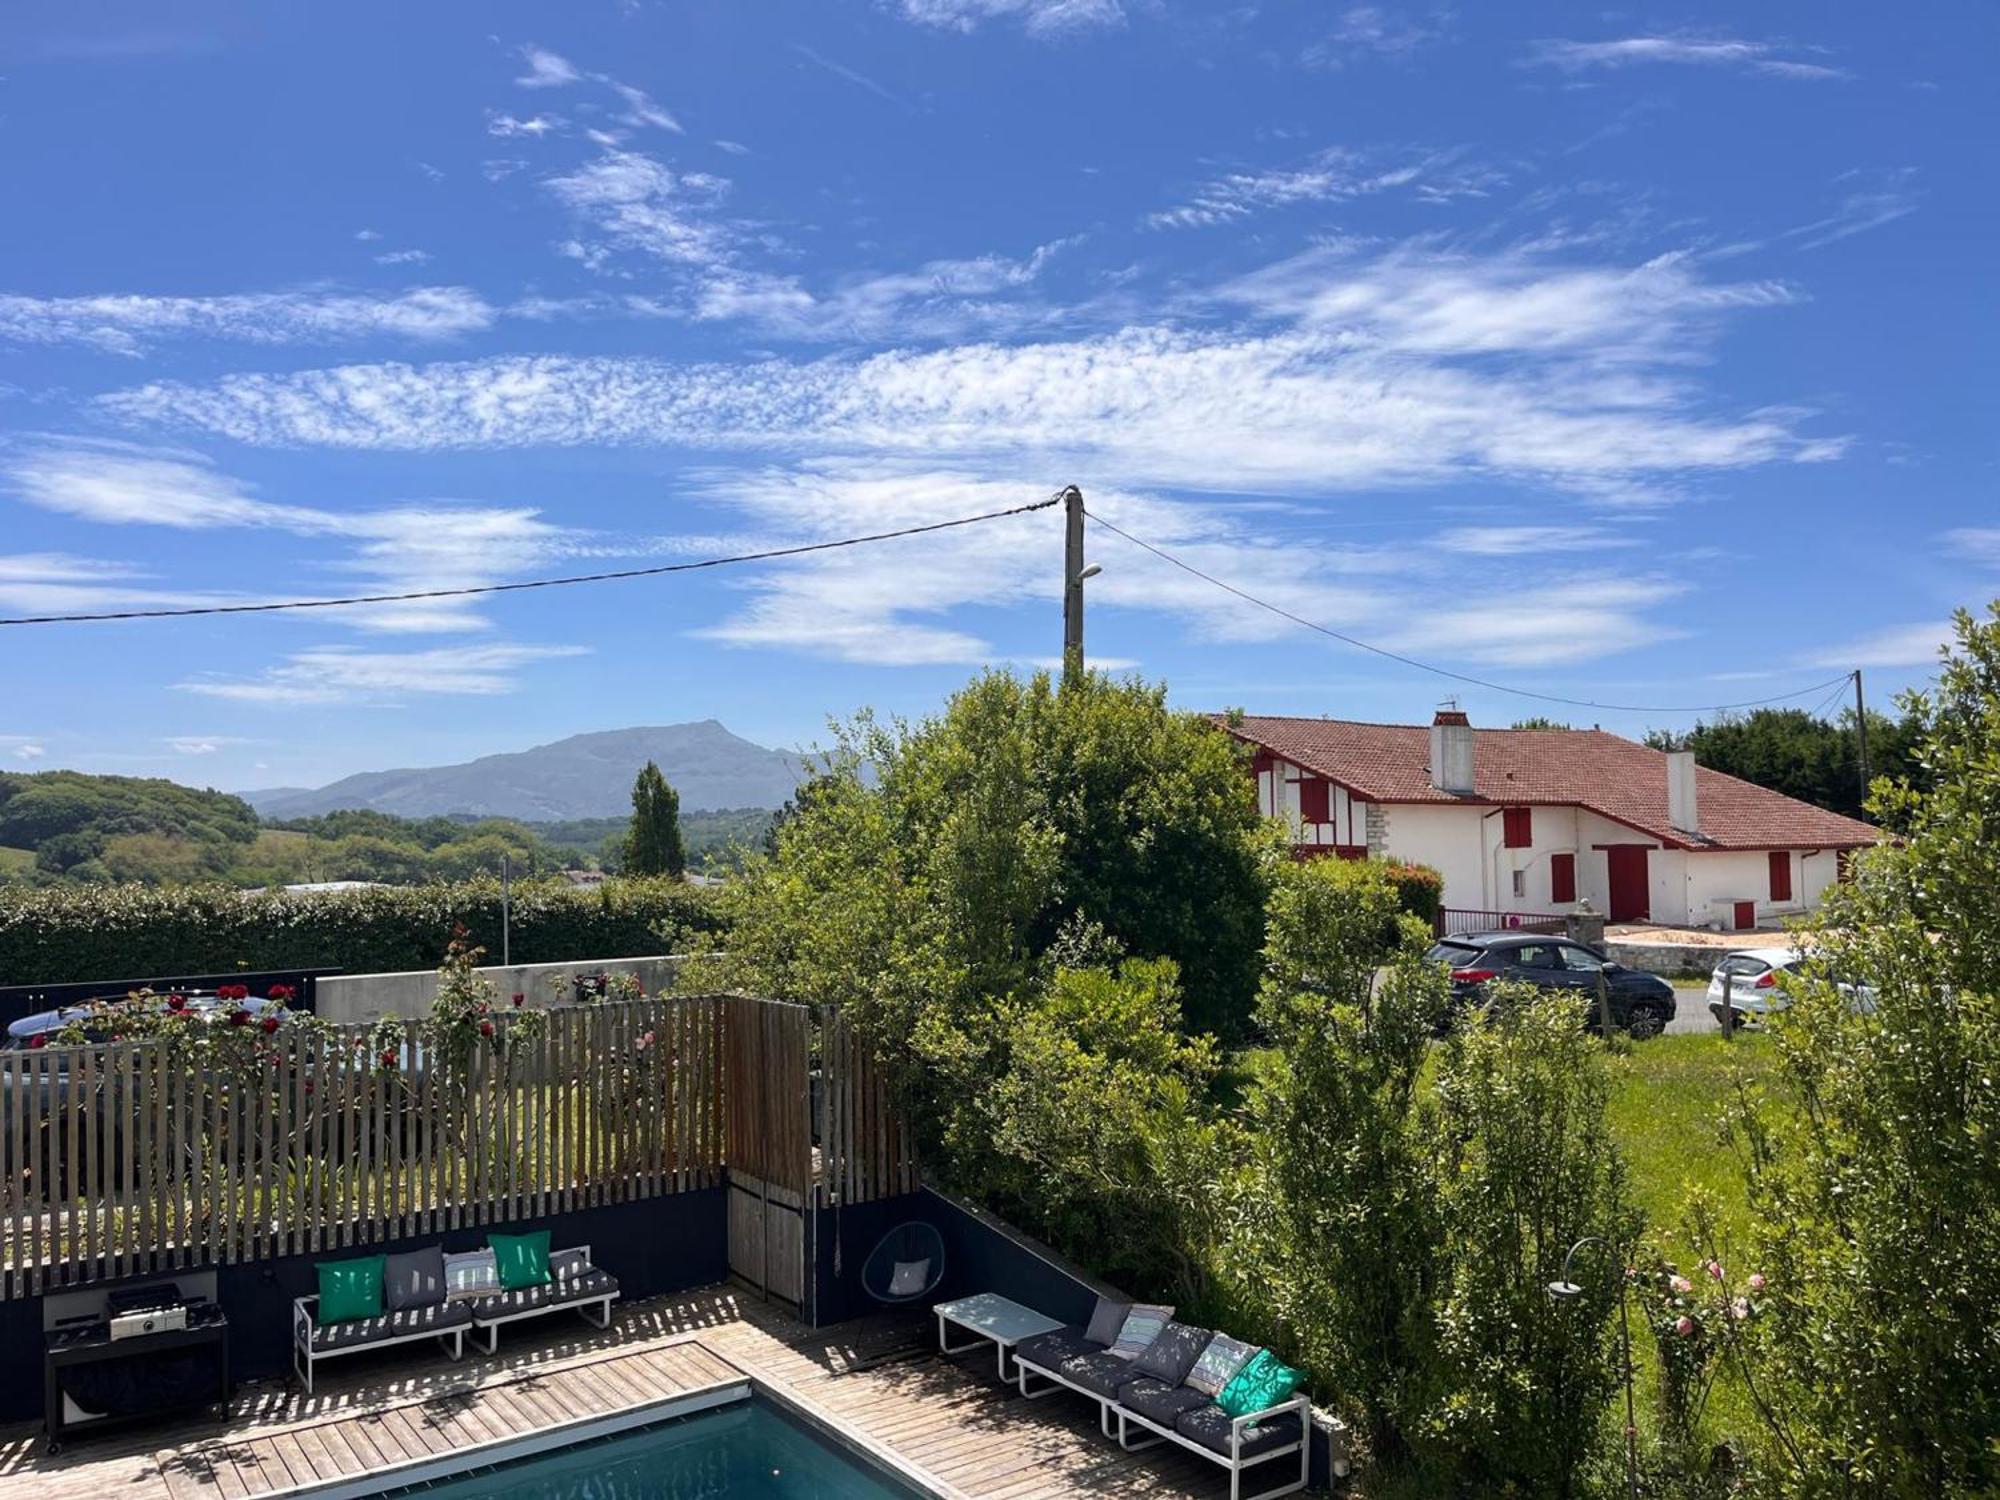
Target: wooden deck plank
[[949, 1418]]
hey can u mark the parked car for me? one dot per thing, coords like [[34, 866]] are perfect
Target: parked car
[[1641, 1003], [1754, 992]]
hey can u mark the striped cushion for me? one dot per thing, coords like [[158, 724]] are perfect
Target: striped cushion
[[1144, 1323], [473, 1274], [1218, 1364]]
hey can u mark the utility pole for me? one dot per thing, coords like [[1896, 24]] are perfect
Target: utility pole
[[1861, 735], [1073, 574]]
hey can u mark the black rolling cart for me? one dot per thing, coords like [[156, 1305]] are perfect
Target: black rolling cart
[[92, 1382]]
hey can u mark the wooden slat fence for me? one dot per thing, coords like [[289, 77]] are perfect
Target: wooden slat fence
[[865, 1147], [126, 1159]]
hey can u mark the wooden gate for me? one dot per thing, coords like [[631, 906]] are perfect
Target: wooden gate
[[767, 1062]]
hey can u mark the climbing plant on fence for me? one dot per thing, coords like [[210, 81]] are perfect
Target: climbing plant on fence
[[62, 934]]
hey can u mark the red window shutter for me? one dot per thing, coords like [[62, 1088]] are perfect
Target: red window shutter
[[1313, 801], [1562, 877], [1781, 875], [1518, 827]]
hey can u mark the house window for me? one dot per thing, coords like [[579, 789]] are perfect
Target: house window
[[1562, 877], [1520, 883], [1313, 801], [1517, 827], [1781, 875]]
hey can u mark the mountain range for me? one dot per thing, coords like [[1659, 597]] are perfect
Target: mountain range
[[584, 776]]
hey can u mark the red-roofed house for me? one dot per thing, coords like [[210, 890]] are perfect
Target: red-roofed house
[[1534, 820]]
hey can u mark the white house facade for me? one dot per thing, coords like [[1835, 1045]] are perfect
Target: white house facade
[[1534, 822]]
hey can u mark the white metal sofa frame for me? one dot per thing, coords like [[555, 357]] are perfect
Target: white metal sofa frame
[[1233, 1460], [579, 1305], [451, 1339]]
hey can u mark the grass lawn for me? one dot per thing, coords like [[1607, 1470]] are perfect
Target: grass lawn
[[16, 864]]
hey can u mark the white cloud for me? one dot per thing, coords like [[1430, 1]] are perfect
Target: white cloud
[[940, 299], [1869, 199], [1375, 29], [631, 202], [875, 605], [640, 109], [1515, 541], [393, 550], [534, 127], [1979, 543], [125, 324], [1336, 174], [1040, 17], [29, 750], [1700, 51], [1893, 646], [1351, 376], [367, 234], [58, 583], [403, 258], [546, 69], [338, 674]]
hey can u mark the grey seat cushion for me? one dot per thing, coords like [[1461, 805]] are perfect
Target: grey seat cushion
[[439, 1317], [1099, 1371], [1050, 1349], [1209, 1426], [1157, 1401], [560, 1292], [413, 1279], [1173, 1353]]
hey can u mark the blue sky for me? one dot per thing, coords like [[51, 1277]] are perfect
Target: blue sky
[[1642, 357]]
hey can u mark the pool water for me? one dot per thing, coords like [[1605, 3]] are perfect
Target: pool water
[[749, 1451]]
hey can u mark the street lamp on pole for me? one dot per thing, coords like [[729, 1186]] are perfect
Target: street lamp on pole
[[1562, 1290]]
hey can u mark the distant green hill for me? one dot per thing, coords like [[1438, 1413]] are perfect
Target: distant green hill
[[122, 827]]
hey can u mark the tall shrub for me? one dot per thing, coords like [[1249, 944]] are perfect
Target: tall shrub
[[1525, 1169], [1874, 1165], [1342, 1214], [653, 843]]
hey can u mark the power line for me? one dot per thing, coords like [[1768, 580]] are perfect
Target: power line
[[1424, 666], [533, 583]]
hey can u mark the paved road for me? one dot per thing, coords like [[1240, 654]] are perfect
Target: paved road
[[1691, 1009]]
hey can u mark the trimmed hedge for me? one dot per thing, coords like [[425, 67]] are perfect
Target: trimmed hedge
[[64, 934], [1419, 888]]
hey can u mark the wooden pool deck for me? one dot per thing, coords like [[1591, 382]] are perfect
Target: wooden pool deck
[[879, 1382]]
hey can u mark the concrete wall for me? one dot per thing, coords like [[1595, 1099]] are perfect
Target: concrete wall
[[357, 998]]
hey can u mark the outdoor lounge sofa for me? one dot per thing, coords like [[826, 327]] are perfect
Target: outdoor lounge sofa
[[574, 1284], [415, 1305], [1144, 1387]]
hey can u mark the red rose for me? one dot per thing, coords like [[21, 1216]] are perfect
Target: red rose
[[270, 1023], [486, 1028], [239, 1018], [309, 1085], [177, 1002], [518, 999], [279, 992], [38, 1040], [388, 1057]]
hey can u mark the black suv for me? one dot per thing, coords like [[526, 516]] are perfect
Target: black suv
[[1640, 1003]]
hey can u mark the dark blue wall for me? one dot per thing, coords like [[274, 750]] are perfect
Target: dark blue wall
[[654, 1247]]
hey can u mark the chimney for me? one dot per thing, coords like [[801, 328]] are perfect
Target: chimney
[[1451, 751], [1681, 812]]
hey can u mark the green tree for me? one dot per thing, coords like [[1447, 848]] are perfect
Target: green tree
[[1525, 1169], [1874, 1164], [653, 845], [1342, 1214], [1789, 750]]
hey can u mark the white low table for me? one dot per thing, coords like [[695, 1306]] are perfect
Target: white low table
[[997, 1320]]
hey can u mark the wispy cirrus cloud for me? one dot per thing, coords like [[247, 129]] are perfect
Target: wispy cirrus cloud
[[1337, 174], [393, 549], [627, 201], [340, 674], [1043, 18], [1378, 31], [1771, 59], [1519, 541], [1914, 645], [546, 69], [127, 324], [1869, 198], [551, 70]]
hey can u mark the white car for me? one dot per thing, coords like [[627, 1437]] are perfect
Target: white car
[[1754, 993], [1750, 976]]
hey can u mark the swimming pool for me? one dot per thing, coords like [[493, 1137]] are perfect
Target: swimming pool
[[749, 1449]]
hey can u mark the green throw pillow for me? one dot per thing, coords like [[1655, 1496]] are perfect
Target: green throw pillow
[[1259, 1385], [523, 1258], [350, 1289]]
